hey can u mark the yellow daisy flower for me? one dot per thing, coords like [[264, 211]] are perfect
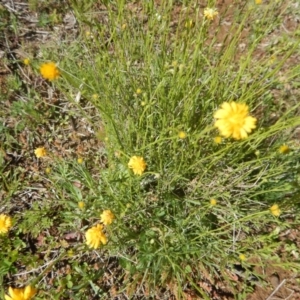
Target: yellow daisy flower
[[5, 223], [182, 135], [26, 61], [258, 1], [40, 152], [213, 202], [242, 257], [233, 120], [210, 13], [49, 71], [95, 236], [275, 211], [284, 149], [107, 217], [20, 294], [137, 164], [218, 140], [81, 204]]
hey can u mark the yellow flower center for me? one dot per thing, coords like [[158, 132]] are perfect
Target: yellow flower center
[[237, 119]]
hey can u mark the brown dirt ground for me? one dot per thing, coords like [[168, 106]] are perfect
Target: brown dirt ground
[[80, 139]]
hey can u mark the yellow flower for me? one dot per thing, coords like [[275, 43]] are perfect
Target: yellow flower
[[182, 135], [242, 257], [88, 34], [189, 24], [95, 236], [5, 223], [138, 91], [20, 294], [26, 61], [80, 160], [107, 217], [258, 1], [233, 120], [275, 211], [48, 170], [40, 152], [272, 59], [49, 71], [218, 139], [81, 204], [137, 164], [213, 202], [284, 149], [210, 13]]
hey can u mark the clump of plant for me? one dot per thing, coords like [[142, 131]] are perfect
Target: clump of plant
[[199, 176]]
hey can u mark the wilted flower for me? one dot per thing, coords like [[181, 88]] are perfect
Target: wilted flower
[[189, 24], [210, 13], [5, 223], [137, 164], [40, 152], [117, 154], [49, 71], [95, 236], [174, 63], [20, 294], [158, 16], [284, 149], [275, 211], [181, 67], [233, 120], [107, 217]]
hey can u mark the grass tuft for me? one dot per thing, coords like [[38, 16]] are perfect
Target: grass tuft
[[173, 196]]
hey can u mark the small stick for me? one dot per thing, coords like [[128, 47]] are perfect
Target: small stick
[[278, 287]]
